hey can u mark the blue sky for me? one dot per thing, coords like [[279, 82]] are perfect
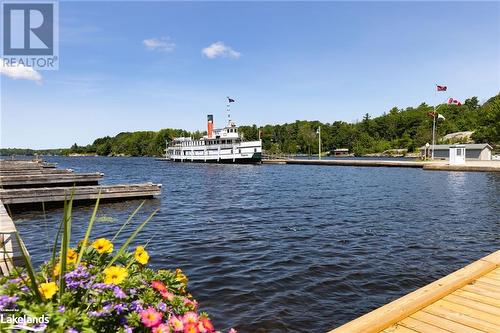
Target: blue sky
[[127, 66]]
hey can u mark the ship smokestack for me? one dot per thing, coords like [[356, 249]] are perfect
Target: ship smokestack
[[210, 125]]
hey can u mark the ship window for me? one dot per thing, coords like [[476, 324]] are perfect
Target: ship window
[[255, 150], [239, 151]]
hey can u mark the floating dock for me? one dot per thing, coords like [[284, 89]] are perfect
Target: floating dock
[[60, 194], [50, 180], [476, 166], [35, 182], [467, 301]]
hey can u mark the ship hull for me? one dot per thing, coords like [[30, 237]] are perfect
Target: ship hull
[[255, 158]]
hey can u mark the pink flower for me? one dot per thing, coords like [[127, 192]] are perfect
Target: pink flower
[[190, 318], [176, 324], [167, 295], [232, 330], [162, 328], [191, 328], [158, 285], [150, 317], [205, 325], [192, 303]]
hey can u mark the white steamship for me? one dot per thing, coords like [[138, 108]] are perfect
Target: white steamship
[[225, 145]]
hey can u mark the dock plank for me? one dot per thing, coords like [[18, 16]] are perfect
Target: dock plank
[[27, 180], [399, 329], [443, 323], [478, 297], [473, 304], [478, 314], [421, 326], [58, 194], [463, 319]]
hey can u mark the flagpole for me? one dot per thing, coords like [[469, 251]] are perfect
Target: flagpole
[[433, 132], [434, 127], [319, 142]]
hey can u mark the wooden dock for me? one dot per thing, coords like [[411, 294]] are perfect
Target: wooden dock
[[60, 194], [467, 300], [34, 182], [474, 166], [50, 180], [9, 247]]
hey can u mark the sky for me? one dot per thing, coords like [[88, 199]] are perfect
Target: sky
[[127, 66]]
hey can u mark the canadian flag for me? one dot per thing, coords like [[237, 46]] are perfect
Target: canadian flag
[[454, 101]]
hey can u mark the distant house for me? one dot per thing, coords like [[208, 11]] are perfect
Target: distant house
[[340, 152], [474, 151]]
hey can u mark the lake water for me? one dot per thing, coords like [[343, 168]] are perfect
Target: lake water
[[290, 248]]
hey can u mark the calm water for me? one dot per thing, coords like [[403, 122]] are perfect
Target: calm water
[[276, 248]]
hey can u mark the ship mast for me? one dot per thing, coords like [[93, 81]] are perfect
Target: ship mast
[[228, 110]]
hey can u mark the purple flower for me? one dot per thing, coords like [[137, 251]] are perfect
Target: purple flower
[[127, 329], [118, 292], [7, 302], [102, 286], [40, 327], [61, 309], [162, 307], [136, 306], [119, 308], [97, 314], [71, 330], [107, 308], [78, 278]]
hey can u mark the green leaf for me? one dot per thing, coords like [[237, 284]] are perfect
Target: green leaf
[[29, 267], [128, 220], [134, 234], [65, 242], [89, 228]]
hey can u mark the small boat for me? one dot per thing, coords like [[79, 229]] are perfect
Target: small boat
[[225, 145]]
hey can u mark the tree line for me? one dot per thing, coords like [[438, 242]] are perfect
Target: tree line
[[408, 128]]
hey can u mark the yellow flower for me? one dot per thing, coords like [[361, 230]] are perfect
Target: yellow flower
[[48, 289], [115, 275], [57, 269], [71, 257], [102, 245], [180, 277], [141, 255]]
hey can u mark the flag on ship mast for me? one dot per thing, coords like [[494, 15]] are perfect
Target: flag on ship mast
[[441, 88], [440, 116], [230, 100]]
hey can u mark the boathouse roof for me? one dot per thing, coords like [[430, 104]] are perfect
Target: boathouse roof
[[468, 146]]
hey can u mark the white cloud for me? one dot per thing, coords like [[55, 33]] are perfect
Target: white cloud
[[219, 49], [20, 72], [163, 44]]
